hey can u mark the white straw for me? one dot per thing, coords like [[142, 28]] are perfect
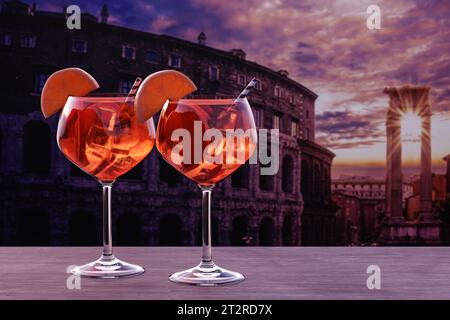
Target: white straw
[[133, 90]]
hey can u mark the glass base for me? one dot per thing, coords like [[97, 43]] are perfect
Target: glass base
[[108, 267], [207, 275]]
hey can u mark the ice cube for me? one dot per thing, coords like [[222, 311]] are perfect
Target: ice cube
[[120, 166], [125, 117], [107, 115], [215, 148], [127, 129], [203, 172], [120, 152], [98, 157], [97, 147], [125, 139], [226, 119]]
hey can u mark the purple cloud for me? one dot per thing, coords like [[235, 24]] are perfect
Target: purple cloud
[[324, 44]]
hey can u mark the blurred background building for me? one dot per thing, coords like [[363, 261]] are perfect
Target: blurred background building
[[44, 200], [361, 202]]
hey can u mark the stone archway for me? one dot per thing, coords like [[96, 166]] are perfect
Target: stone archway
[[129, 230], [1, 149], [36, 147], [33, 227], [168, 174], [305, 180], [240, 230], [83, 229], [171, 230], [288, 231], [267, 232], [317, 181]]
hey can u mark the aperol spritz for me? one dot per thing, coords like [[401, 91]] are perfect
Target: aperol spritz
[[206, 140], [104, 138]]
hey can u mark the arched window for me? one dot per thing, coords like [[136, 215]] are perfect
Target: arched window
[[239, 231], [168, 174], [266, 182], [33, 228], [129, 230], [240, 178], [36, 147], [317, 184], [83, 229], [288, 174], [1, 148], [170, 230], [288, 239], [306, 179], [266, 232], [325, 183]]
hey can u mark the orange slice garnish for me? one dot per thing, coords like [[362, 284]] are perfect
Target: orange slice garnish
[[159, 87], [62, 84]]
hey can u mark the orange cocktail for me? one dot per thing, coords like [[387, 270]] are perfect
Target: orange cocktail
[[103, 137], [206, 140], [220, 114], [106, 135]]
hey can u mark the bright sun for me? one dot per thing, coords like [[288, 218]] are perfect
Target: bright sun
[[411, 130], [411, 127]]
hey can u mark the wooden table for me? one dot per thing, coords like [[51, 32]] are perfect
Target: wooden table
[[272, 273]]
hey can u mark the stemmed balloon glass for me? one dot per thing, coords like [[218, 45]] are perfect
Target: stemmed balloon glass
[[103, 137], [206, 139]]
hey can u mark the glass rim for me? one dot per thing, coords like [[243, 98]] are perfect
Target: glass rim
[[209, 97], [103, 96]]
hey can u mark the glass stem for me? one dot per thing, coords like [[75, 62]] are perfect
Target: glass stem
[[107, 232], [206, 227]]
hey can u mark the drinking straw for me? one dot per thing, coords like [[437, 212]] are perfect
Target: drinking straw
[[251, 85], [133, 90]]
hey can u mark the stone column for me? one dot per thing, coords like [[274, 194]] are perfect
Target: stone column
[[387, 190], [404, 100], [395, 172], [426, 186]]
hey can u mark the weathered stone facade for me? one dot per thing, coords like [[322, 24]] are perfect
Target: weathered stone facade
[[396, 230], [319, 214], [46, 200], [361, 202]]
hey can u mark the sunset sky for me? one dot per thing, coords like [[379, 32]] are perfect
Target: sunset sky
[[326, 46]]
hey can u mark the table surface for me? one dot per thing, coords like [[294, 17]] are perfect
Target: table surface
[[271, 273]]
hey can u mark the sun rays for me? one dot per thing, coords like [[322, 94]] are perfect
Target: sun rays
[[411, 130]]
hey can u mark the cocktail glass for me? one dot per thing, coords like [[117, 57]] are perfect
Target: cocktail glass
[[103, 137], [206, 139]]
